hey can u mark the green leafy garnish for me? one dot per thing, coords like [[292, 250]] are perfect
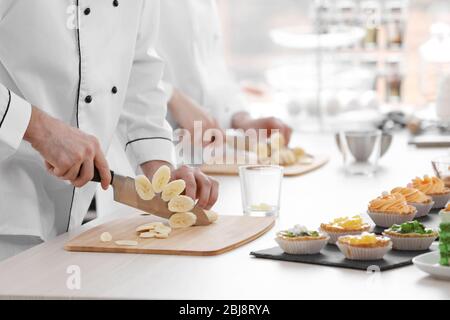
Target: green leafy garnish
[[411, 227], [302, 234]]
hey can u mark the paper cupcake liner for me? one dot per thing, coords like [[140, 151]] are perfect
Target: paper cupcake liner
[[386, 220], [334, 236], [301, 246], [356, 253], [410, 244], [440, 200], [422, 208]]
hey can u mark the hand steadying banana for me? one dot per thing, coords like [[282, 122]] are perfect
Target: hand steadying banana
[[170, 192]]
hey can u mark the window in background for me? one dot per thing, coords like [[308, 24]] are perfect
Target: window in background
[[335, 61]]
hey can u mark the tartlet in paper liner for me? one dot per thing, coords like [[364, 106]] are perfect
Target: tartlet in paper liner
[[422, 208], [387, 219], [410, 241], [364, 247], [302, 245], [440, 199], [335, 234], [360, 253]]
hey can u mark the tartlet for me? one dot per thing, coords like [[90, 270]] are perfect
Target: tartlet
[[411, 236], [417, 199], [344, 226], [390, 209], [366, 246], [433, 187], [300, 240]]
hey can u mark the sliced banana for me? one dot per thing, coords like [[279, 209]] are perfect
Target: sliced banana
[[162, 229], [129, 243], [181, 204], [161, 178], [288, 157], [173, 189], [182, 220], [284, 157], [148, 234], [212, 216], [263, 150], [299, 152], [162, 235], [105, 237], [144, 187], [277, 141], [148, 226]]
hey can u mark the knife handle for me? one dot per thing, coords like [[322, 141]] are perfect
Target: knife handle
[[97, 178]]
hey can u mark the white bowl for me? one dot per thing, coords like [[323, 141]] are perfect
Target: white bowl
[[429, 263]]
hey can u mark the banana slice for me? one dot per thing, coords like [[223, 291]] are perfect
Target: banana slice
[[130, 243], [288, 157], [299, 152], [181, 204], [277, 141], [105, 237], [162, 229], [212, 216], [162, 235], [262, 150], [148, 226], [144, 187], [284, 157], [161, 178], [147, 235], [182, 220], [173, 189]]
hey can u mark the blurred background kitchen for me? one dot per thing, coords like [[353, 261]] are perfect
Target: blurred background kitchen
[[326, 64]]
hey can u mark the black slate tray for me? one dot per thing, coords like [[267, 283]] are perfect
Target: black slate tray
[[431, 220], [331, 256]]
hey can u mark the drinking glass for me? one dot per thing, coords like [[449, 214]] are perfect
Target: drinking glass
[[441, 167], [261, 189]]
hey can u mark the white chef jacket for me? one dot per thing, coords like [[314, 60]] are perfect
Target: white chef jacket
[[191, 44], [67, 62]]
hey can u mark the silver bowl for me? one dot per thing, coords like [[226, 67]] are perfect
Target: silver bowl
[[362, 148]]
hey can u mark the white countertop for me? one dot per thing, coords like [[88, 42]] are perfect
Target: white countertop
[[41, 271]]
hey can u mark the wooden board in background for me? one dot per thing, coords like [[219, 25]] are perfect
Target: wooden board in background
[[294, 170], [227, 233]]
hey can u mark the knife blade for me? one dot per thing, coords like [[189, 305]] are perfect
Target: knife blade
[[125, 193]]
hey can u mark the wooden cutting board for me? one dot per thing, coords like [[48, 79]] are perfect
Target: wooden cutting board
[[293, 170], [227, 233]]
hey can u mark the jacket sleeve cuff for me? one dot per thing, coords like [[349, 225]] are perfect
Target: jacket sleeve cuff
[[144, 149], [13, 124]]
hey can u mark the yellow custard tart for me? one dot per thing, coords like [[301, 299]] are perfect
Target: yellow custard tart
[[389, 209], [366, 246], [344, 226], [434, 187], [417, 199]]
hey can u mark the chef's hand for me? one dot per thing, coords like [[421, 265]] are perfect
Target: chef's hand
[[69, 153], [242, 120], [198, 185], [186, 112]]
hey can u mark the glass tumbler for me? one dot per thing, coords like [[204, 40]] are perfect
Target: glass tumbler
[[261, 189]]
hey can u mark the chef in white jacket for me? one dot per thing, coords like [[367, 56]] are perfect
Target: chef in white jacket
[[197, 78], [68, 79]]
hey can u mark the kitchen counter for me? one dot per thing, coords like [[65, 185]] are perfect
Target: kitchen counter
[[41, 272]]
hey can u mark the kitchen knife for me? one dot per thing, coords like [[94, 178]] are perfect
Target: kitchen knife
[[125, 193]]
